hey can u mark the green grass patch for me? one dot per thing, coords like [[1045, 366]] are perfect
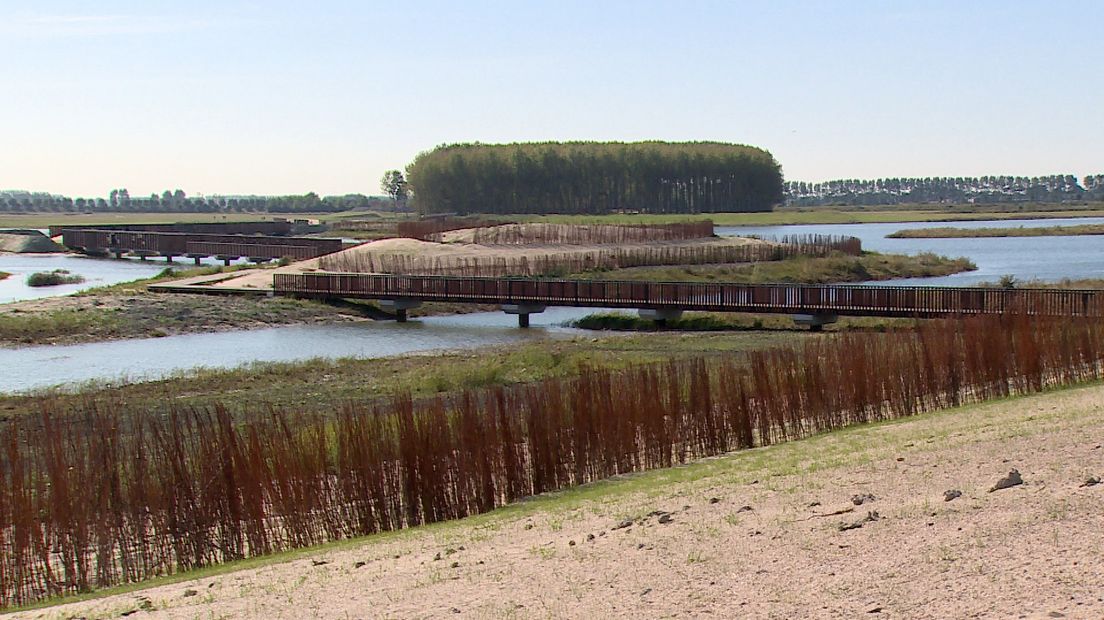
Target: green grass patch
[[1009, 281], [168, 275], [44, 220], [1039, 231], [729, 321], [4, 275], [324, 385], [839, 268], [33, 327], [53, 278]]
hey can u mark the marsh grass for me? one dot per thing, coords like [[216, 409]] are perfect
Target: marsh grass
[[53, 278], [325, 384], [833, 269], [1021, 231], [728, 321], [29, 328]]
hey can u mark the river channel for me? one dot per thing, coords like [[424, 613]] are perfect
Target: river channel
[[1026, 258], [29, 368]]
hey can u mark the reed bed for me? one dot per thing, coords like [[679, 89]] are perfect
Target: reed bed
[[599, 259], [585, 234], [102, 494], [424, 230]]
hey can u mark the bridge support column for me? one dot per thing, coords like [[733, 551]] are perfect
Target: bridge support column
[[816, 322], [523, 311], [660, 315], [399, 307], [226, 259], [169, 258], [196, 257]]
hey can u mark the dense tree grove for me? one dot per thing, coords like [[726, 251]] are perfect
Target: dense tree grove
[[120, 201], [987, 189], [595, 177]]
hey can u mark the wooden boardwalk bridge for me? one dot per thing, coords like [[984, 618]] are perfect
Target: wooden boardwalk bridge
[[196, 242], [813, 305]]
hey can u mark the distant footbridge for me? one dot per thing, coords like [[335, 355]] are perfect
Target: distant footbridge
[[812, 305]]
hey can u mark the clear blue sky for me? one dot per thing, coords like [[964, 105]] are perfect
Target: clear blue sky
[[288, 97]]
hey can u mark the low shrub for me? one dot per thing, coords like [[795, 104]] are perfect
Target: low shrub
[[53, 278]]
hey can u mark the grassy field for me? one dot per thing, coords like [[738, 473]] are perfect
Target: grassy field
[[830, 215], [43, 220], [801, 269], [781, 216], [1040, 231], [323, 385]]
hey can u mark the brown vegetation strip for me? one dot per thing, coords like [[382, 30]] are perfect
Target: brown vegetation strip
[[570, 234], [103, 495], [602, 259]]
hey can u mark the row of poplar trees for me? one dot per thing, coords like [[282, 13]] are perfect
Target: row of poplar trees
[[595, 178]]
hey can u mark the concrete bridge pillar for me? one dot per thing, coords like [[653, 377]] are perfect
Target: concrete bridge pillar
[[816, 322], [399, 307], [523, 311], [660, 315]]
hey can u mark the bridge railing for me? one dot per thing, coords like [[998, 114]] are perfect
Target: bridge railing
[[199, 243], [792, 298]]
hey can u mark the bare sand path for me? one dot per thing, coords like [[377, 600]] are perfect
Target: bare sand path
[[757, 534]]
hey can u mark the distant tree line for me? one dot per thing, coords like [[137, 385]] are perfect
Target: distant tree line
[[595, 178], [986, 190], [120, 201]]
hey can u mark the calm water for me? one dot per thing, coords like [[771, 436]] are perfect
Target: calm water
[[96, 272], [1026, 258], [29, 368]]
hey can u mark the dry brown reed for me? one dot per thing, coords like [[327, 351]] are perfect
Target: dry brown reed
[[554, 263], [426, 229], [585, 234], [104, 495]]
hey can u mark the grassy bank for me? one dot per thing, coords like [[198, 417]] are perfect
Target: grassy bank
[[129, 310], [801, 269], [4, 275], [43, 220], [730, 322], [846, 215], [92, 319], [324, 385], [780, 216], [1041, 231], [1065, 283]]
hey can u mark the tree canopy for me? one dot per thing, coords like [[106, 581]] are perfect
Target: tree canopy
[[986, 189], [120, 201], [595, 178]]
